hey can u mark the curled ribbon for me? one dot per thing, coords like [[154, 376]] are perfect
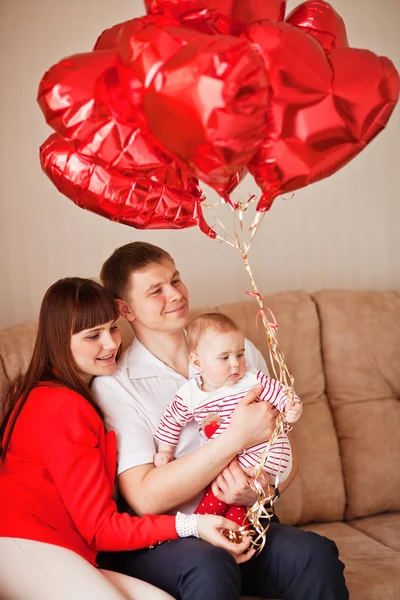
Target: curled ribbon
[[274, 323]]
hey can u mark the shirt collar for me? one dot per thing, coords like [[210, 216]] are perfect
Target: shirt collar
[[141, 363]]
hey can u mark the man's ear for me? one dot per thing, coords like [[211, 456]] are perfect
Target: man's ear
[[124, 310], [195, 361]]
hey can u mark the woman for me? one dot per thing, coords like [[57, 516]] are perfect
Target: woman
[[58, 465]]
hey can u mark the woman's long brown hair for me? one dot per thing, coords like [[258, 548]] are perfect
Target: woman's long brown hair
[[69, 306]]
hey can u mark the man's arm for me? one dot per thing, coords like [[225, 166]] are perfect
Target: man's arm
[[155, 490], [232, 485]]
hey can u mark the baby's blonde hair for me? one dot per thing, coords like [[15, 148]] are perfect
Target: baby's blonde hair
[[217, 322]]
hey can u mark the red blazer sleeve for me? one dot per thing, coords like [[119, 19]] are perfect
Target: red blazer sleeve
[[68, 441]]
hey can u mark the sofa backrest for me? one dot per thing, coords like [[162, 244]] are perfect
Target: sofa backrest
[[16, 347], [343, 349], [361, 352]]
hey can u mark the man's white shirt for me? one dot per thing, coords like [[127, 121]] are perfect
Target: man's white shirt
[[134, 400]]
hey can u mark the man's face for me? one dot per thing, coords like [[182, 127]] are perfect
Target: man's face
[[158, 299]]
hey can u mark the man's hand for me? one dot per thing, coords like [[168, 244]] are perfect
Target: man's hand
[[232, 486], [252, 422]]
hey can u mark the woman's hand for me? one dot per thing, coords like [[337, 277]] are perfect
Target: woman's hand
[[232, 485], [210, 529], [252, 422]]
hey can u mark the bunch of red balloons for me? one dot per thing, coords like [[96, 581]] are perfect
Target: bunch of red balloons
[[194, 92]]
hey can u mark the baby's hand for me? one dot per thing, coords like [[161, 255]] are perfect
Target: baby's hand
[[162, 458], [294, 412]]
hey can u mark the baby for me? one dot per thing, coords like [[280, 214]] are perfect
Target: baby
[[216, 351]]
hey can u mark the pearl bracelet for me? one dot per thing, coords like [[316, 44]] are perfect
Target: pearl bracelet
[[186, 525]]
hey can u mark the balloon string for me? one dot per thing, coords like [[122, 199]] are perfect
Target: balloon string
[[272, 324], [260, 514], [277, 360]]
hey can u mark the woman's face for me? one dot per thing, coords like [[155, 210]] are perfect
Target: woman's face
[[94, 350]]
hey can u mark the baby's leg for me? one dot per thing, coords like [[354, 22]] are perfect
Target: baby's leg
[[210, 505], [237, 514], [277, 463]]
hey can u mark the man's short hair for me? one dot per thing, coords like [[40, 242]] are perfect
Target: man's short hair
[[217, 322], [117, 270]]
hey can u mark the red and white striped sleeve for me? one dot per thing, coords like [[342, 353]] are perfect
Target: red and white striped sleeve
[[274, 392], [175, 417]]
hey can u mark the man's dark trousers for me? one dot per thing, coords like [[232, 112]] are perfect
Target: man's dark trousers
[[294, 565]]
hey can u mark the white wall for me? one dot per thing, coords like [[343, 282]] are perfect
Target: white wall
[[340, 233]]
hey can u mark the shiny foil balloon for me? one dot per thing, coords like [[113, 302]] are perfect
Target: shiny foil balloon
[[205, 97], [83, 98], [249, 11], [243, 11], [207, 90], [320, 19], [108, 39], [138, 202], [323, 109], [193, 15]]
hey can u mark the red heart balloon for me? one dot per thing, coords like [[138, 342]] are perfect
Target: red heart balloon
[[83, 100], [205, 97], [187, 13], [320, 19], [138, 202], [249, 11], [323, 110], [169, 94], [108, 39], [193, 15], [66, 92], [243, 11]]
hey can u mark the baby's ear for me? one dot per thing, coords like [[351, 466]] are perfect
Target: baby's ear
[[195, 360]]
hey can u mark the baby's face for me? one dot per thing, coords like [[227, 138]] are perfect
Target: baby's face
[[221, 357]]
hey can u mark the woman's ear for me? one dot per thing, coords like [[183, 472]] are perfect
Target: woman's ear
[[195, 361], [125, 310]]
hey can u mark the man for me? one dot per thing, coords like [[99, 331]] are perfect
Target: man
[[294, 565]]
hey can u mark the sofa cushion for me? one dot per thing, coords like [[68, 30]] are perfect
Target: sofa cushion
[[16, 347], [384, 528], [317, 494], [361, 350], [372, 569], [126, 332]]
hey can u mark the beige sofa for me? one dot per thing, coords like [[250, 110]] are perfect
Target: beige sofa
[[343, 349]]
